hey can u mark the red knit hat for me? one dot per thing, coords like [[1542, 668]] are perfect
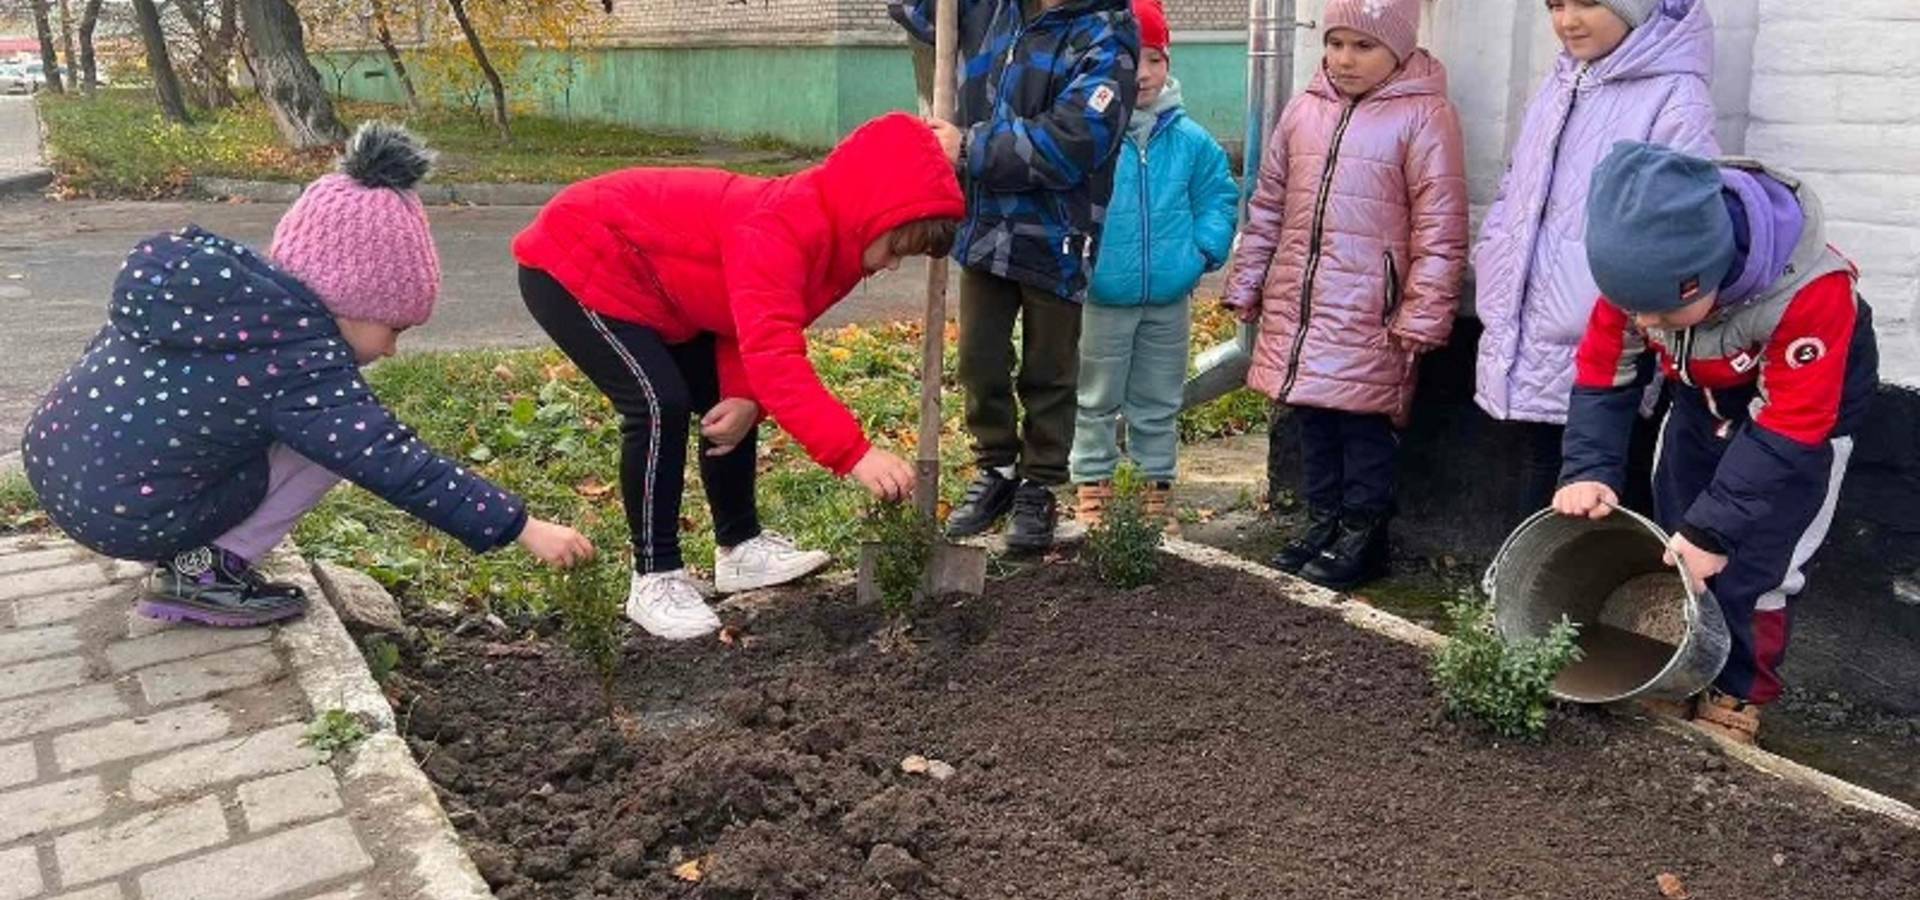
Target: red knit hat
[[1153, 25]]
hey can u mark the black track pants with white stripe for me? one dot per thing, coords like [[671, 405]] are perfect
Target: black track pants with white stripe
[[659, 389]]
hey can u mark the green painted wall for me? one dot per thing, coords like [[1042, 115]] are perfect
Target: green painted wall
[[807, 95]]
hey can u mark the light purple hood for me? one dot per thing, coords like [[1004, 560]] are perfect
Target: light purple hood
[[1534, 288]]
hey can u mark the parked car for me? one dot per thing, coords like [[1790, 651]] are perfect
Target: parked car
[[13, 80]]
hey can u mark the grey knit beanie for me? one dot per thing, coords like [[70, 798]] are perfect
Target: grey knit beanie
[[1634, 12], [1658, 233]]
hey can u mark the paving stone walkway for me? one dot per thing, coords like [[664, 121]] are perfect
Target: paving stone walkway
[[143, 761]]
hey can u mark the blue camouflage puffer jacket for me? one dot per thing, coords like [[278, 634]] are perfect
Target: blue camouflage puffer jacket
[[156, 441], [1044, 103]]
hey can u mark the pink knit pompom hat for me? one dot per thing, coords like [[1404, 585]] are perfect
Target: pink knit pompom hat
[[359, 237], [1395, 23]]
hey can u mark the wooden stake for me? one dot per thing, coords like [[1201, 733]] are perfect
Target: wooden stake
[[946, 37]]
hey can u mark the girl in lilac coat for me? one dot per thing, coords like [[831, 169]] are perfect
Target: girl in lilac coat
[[1351, 260], [1629, 70]]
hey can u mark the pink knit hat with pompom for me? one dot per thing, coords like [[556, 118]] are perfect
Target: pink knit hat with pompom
[[359, 237]]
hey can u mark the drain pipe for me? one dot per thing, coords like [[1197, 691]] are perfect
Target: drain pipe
[[1270, 27]]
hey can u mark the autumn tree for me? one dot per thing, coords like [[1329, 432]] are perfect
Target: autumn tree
[[287, 80], [49, 56], [166, 84]]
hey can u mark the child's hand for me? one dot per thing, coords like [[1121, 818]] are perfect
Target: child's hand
[[1699, 564], [886, 476], [949, 136], [1406, 344], [555, 545], [727, 424], [1585, 498], [1248, 314]]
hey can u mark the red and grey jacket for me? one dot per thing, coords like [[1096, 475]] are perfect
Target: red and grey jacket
[[1785, 373]]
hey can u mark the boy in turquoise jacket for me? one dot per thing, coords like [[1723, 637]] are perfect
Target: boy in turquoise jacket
[[1170, 221]]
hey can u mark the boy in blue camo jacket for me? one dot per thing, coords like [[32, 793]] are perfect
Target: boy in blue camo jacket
[[1046, 92]]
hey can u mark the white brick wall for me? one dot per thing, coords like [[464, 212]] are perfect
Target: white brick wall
[[1836, 97]]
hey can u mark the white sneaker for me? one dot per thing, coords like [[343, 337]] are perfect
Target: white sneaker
[[764, 562], [668, 605]]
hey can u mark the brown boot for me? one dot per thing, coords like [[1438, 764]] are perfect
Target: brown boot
[[1727, 716], [1154, 505], [1093, 500]]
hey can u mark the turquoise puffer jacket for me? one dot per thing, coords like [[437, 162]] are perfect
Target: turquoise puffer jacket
[[1182, 179]]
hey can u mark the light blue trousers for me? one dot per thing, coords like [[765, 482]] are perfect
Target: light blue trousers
[[1133, 365]]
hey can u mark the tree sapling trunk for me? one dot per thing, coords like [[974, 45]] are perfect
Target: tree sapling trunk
[[286, 77], [49, 57], [486, 68], [166, 84]]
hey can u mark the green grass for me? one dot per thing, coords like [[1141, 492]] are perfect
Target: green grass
[[116, 145], [19, 507], [531, 422]]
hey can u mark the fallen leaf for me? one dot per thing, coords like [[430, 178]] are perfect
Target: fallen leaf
[[1779, 859], [593, 488], [1670, 886], [503, 372], [730, 635], [515, 651], [691, 870], [915, 765]]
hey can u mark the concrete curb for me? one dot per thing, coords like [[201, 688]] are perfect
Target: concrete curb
[[32, 181], [1389, 625], [392, 798], [447, 194]]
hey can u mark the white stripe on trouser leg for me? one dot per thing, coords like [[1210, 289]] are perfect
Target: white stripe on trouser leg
[[1815, 534], [643, 542]]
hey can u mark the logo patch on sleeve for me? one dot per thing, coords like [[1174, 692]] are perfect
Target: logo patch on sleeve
[[1101, 99], [1805, 352]]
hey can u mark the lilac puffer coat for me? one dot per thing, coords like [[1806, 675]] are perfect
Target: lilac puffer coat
[[1356, 233], [1534, 288]]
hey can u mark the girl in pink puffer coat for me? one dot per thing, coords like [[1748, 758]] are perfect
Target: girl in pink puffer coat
[[1352, 260]]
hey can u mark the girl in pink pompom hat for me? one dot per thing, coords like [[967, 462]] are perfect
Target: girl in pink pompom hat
[[224, 398]]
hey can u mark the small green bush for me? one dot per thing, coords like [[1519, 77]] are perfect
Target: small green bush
[[19, 505], [591, 601], [903, 540], [1503, 684], [1124, 548]]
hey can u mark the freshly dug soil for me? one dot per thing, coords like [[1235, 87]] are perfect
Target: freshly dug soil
[[1204, 738]]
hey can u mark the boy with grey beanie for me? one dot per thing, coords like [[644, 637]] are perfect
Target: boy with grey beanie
[[1721, 273]]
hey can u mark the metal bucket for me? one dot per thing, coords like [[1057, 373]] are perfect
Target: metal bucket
[[1644, 632]]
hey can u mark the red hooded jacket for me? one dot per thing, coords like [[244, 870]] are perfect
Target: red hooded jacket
[[752, 261]]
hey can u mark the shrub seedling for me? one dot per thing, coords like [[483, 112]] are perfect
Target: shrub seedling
[[903, 540], [1503, 684], [591, 607], [1124, 548]]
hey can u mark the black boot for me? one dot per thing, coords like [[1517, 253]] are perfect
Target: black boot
[[988, 500], [1357, 556], [1323, 525], [213, 587], [1035, 512]]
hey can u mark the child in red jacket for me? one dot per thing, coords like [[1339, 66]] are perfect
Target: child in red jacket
[[687, 292]]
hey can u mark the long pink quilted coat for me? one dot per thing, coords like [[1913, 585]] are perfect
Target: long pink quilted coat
[[1356, 232]]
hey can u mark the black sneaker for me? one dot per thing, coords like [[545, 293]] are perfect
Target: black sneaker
[[212, 587], [1035, 513], [1323, 525], [1357, 556], [989, 499]]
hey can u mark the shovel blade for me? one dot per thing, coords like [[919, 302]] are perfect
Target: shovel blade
[[954, 569]]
